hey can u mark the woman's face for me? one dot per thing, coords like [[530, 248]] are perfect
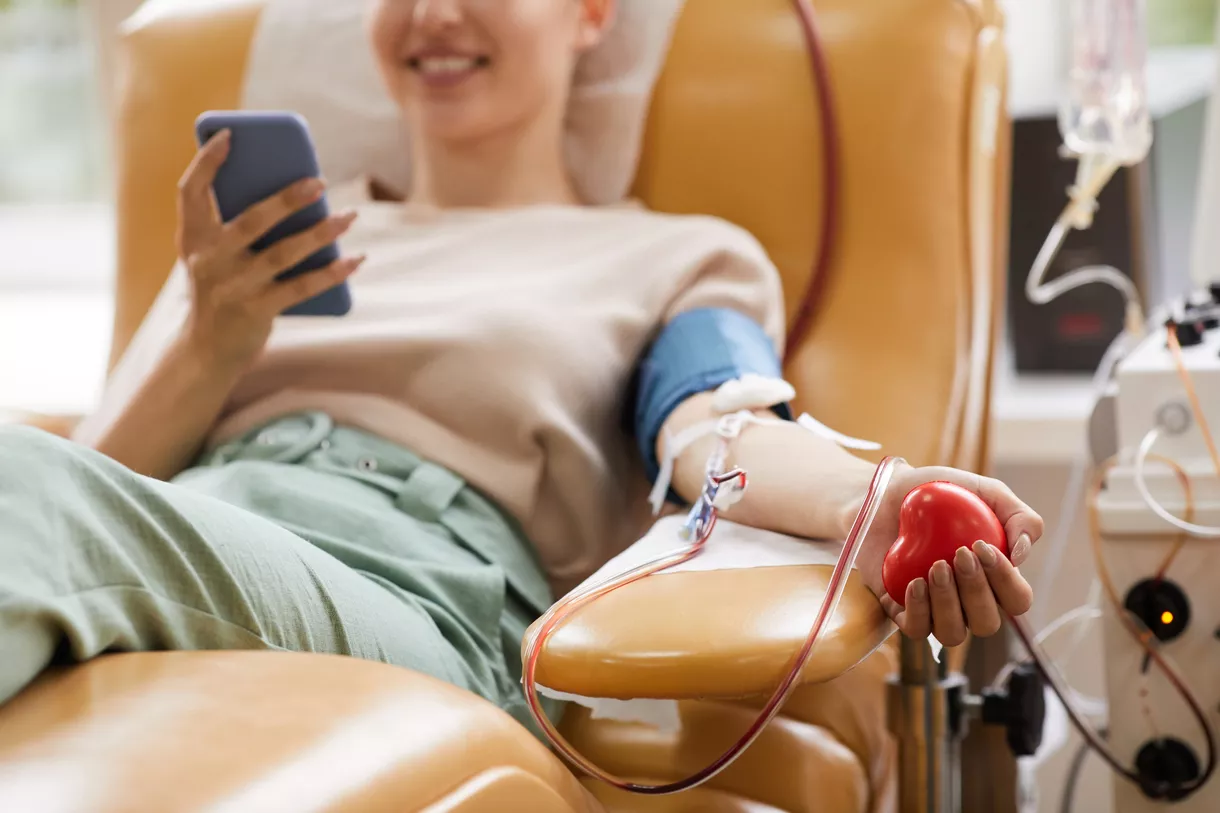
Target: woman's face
[[466, 69]]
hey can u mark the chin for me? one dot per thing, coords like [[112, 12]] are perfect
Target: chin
[[451, 121], [446, 126]]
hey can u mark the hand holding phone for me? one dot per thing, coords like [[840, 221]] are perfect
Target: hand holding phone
[[269, 152], [238, 277]]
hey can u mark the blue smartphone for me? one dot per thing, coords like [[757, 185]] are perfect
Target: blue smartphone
[[268, 151]]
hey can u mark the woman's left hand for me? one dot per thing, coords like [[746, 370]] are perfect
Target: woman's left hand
[[974, 591]]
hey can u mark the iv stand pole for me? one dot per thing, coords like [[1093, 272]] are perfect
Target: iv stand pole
[[927, 715]]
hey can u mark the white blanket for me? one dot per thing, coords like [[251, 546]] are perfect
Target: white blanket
[[732, 546], [312, 56]]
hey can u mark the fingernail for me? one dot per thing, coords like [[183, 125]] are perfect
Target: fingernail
[[311, 189], [1020, 551], [941, 575], [919, 589], [358, 261], [986, 553], [965, 563], [223, 136], [348, 216]]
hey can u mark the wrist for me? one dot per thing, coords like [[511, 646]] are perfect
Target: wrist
[[856, 480], [198, 359]]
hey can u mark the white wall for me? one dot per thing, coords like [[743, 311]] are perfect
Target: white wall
[[104, 19], [1037, 54], [1205, 254]]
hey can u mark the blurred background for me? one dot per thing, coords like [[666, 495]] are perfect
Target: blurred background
[[57, 262], [1146, 227], [54, 193], [49, 111]]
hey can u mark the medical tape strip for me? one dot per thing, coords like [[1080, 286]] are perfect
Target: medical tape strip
[[739, 397]]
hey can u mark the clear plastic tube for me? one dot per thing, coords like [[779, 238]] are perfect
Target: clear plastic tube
[[1073, 497], [1082, 630], [1041, 293], [533, 645], [1078, 617], [1067, 697], [1141, 463], [1147, 642], [1105, 122]]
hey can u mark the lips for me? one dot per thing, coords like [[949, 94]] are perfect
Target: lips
[[446, 69]]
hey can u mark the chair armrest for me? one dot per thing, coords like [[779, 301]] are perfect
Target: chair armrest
[[231, 731], [62, 425], [710, 634]]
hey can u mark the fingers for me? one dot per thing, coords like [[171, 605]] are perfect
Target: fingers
[[1018, 551], [196, 212], [947, 621], [1022, 525], [1012, 592], [286, 294], [290, 251], [260, 218], [892, 608], [916, 618], [974, 591], [196, 183], [969, 597]]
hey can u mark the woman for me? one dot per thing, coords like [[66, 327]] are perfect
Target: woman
[[414, 482]]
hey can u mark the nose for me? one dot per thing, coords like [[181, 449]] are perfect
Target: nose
[[437, 14]]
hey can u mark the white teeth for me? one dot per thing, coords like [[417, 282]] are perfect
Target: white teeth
[[446, 65]]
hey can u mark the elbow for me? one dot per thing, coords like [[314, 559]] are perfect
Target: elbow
[[704, 363]]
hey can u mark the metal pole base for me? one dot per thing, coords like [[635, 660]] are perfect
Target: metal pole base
[[927, 715]]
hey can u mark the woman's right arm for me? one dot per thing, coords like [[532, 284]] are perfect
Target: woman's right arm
[[235, 296]]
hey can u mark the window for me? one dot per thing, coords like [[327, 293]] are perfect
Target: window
[[48, 118], [54, 217], [56, 228]]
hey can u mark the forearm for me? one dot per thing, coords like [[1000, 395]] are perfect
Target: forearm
[[799, 483], [161, 428]]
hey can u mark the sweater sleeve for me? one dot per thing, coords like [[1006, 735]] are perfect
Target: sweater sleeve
[[724, 322], [736, 275]]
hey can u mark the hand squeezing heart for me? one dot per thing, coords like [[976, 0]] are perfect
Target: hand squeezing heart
[[935, 520]]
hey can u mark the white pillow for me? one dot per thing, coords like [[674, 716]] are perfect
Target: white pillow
[[312, 56]]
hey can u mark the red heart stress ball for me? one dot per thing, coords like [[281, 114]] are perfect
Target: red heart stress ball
[[935, 520]]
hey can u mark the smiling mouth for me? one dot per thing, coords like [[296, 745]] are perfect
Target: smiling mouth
[[441, 67]]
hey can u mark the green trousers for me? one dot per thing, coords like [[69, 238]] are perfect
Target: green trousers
[[303, 536]]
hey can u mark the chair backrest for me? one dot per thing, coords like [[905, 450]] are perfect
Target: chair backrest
[[900, 351]]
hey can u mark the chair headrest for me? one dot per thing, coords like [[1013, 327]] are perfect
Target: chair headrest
[[313, 56]]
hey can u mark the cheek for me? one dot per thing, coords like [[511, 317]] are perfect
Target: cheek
[[387, 31], [520, 89], [538, 36], [539, 71]]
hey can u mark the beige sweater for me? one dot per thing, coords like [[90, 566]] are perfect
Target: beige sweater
[[499, 344]]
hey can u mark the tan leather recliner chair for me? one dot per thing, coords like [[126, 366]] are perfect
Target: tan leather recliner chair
[[900, 352]]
